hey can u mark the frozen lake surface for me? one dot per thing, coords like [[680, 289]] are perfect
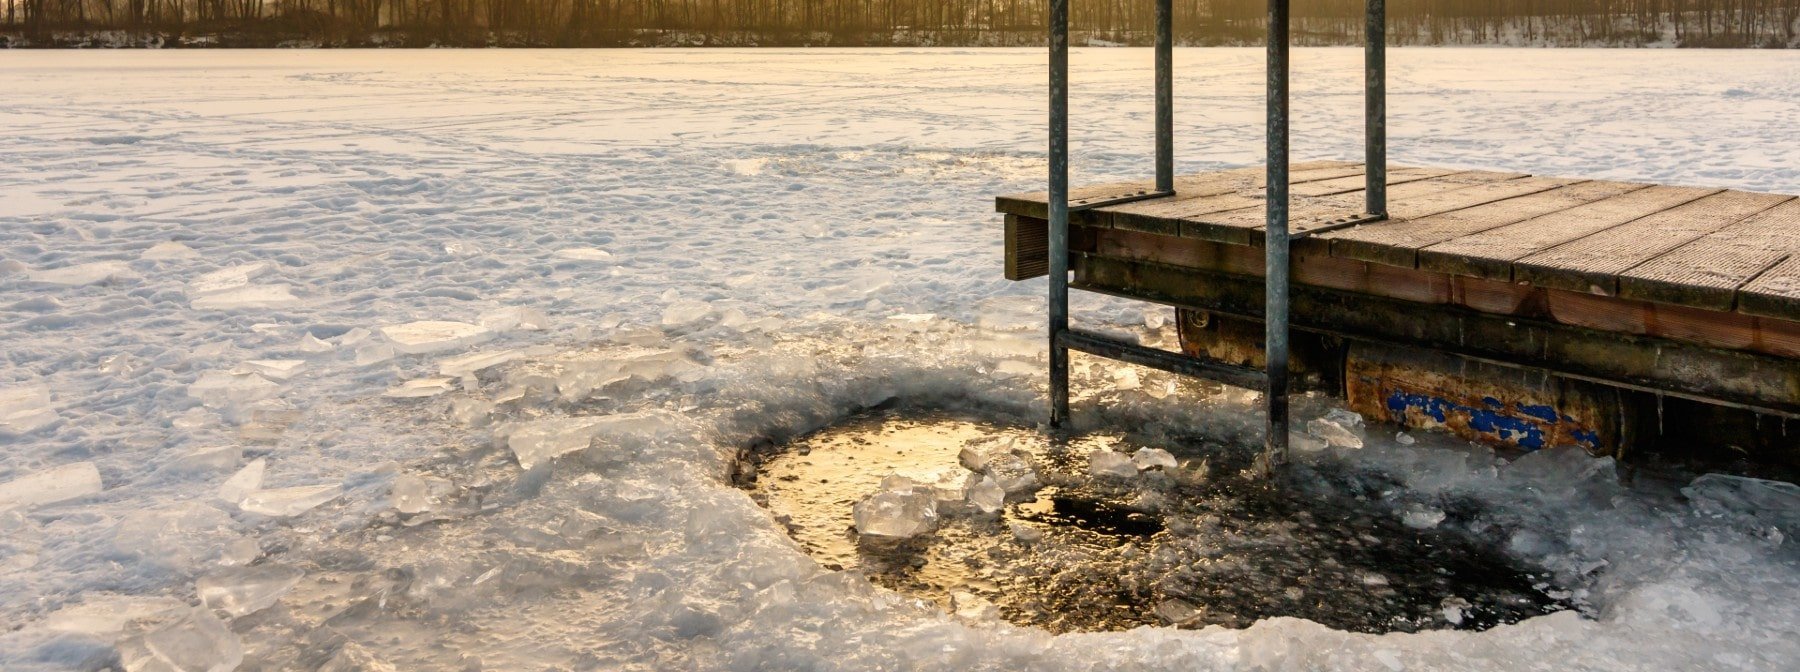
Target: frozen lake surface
[[441, 359]]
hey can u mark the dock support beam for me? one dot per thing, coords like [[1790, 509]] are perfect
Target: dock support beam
[[1375, 108], [1165, 96], [1275, 335], [1059, 211]]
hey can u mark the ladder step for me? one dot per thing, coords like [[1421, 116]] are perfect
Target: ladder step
[[1194, 367]]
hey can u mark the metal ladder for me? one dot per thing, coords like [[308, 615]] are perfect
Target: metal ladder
[[1273, 378]]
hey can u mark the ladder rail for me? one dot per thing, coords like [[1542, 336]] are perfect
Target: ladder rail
[[1273, 379]]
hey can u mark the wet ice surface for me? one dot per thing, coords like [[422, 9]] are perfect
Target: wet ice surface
[[654, 259], [1190, 545]]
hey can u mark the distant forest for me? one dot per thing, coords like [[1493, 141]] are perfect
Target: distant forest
[[420, 23]]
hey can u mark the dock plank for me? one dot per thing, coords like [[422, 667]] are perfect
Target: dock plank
[[1035, 204], [1396, 242], [1165, 215], [1774, 293], [1706, 272], [1406, 201], [1490, 254], [1396, 175], [1593, 263]]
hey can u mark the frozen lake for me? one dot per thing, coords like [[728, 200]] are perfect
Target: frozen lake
[[211, 389]]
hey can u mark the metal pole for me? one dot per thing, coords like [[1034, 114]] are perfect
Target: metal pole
[[1059, 210], [1375, 102], [1275, 319], [1165, 97]]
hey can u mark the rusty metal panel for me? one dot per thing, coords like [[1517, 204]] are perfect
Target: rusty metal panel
[[1483, 402]]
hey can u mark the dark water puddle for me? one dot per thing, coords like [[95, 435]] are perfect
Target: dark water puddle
[[1207, 544]]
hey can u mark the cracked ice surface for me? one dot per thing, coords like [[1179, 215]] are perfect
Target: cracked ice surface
[[710, 247]]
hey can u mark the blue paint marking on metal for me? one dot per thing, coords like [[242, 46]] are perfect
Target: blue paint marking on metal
[[1530, 427]]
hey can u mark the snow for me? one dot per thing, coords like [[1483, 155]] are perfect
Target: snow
[[793, 212]]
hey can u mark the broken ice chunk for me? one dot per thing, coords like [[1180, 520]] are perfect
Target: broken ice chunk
[[410, 494], [246, 590], [683, 313], [1109, 462], [109, 614], [987, 497], [1153, 458], [222, 389], [416, 338], [197, 642], [25, 409], [423, 387], [206, 459], [374, 353], [245, 481], [514, 318], [469, 364], [1014, 474], [1334, 432], [973, 608], [273, 369], [896, 514], [1404, 439], [1026, 534], [583, 254], [83, 274], [1768, 502], [1422, 517], [229, 278], [248, 296], [167, 250], [1454, 608], [286, 502], [1125, 378], [539, 441], [311, 344], [57, 484]]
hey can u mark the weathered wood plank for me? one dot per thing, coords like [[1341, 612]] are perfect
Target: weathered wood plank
[[1243, 226], [1343, 185], [1706, 272], [1036, 203], [1396, 242], [1774, 293], [1490, 254], [1027, 248], [1593, 263], [1236, 190]]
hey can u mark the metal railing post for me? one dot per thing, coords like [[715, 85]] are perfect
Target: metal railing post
[[1165, 96], [1375, 107], [1059, 210], [1275, 318]]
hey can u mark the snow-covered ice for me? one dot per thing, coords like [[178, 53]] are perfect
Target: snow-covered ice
[[772, 223]]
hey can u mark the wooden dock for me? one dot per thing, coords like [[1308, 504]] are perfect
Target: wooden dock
[[1491, 294]]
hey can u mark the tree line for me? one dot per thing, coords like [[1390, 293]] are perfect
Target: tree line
[[1693, 23]]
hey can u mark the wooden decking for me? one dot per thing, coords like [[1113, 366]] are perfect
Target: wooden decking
[[1714, 250]]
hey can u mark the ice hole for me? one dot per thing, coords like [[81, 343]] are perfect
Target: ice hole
[[1202, 543]]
